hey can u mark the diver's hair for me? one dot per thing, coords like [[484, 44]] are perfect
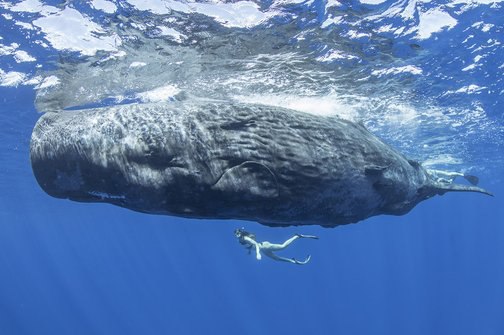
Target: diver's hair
[[241, 233]]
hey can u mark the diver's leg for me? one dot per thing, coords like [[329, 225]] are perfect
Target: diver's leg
[[273, 246], [276, 246], [271, 255], [448, 177]]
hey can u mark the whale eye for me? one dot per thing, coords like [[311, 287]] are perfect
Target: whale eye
[[413, 163]]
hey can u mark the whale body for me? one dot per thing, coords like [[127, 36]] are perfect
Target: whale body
[[222, 160]]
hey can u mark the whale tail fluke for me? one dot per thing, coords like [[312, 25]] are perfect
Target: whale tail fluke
[[443, 188]]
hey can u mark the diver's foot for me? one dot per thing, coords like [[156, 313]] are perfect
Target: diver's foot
[[302, 262], [307, 236]]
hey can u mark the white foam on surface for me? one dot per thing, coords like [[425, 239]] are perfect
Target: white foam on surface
[[331, 20], [15, 79], [385, 29], [357, 35], [21, 56], [104, 5], [475, 2], [433, 21], [401, 115], [12, 78], [29, 6], [486, 27], [288, 2], [160, 6], [48, 82], [372, 2], [333, 55], [24, 25], [392, 11], [173, 34], [34, 81], [409, 11], [396, 70], [70, 30], [333, 3], [316, 105], [469, 67], [469, 89], [243, 14], [6, 50]]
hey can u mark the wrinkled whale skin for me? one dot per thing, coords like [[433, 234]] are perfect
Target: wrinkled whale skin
[[218, 160]]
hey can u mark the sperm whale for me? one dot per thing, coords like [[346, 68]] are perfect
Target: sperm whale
[[222, 160]]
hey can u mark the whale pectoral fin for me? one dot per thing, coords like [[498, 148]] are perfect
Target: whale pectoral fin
[[249, 179], [472, 179]]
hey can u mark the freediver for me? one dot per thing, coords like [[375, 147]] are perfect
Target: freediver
[[249, 241]]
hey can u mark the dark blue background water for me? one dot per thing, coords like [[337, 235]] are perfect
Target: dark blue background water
[[71, 268]]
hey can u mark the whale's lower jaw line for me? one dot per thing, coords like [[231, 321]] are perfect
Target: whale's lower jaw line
[[218, 160]]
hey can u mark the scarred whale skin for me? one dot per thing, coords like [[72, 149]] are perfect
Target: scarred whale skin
[[217, 160]]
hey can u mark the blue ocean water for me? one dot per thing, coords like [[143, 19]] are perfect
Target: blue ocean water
[[426, 76]]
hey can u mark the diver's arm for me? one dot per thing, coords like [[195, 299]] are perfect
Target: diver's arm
[[255, 244]]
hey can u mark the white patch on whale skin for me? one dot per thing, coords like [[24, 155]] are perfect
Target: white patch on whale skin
[[104, 195], [137, 64]]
